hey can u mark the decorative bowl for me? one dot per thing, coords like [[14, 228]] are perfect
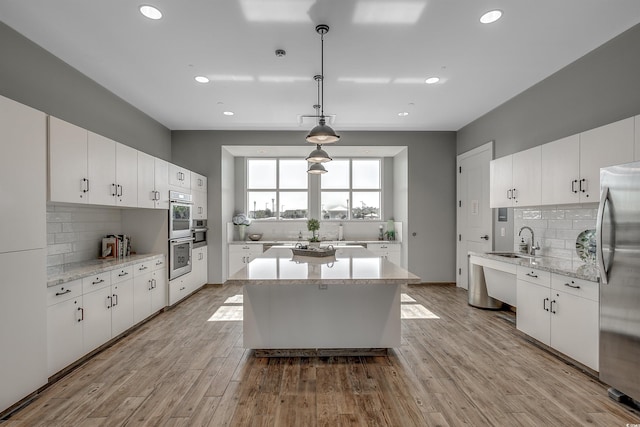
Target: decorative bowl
[[255, 236]]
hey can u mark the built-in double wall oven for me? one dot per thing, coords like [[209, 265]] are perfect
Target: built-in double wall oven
[[180, 234]]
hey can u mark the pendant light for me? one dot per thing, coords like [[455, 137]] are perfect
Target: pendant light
[[322, 133], [316, 169], [318, 156]]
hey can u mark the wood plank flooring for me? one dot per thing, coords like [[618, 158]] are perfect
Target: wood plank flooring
[[456, 366]]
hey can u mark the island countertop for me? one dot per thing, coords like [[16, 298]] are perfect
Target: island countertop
[[351, 265]]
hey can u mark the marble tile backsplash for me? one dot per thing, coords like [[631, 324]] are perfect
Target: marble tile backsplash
[[556, 228], [74, 233]]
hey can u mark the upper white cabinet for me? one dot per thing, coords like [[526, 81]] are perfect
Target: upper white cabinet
[[515, 179], [153, 182], [126, 176], [607, 145], [561, 171], [198, 182], [23, 132], [179, 177], [199, 193], [101, 154], [637, 139], [68, 176]]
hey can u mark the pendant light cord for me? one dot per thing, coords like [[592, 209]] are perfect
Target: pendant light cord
[[322, 73]]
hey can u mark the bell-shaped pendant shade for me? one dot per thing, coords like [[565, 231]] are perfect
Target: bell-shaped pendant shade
[[318, 156], [322, 134], [316, 168]]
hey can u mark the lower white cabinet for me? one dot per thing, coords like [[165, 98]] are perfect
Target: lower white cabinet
[[179, 288], [240, 255], [121, 300], [199, 267], [388, 251], [65, 314], [149, 288], [561, 312]]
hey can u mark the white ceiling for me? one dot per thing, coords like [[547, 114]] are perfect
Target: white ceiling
[[377, 55]]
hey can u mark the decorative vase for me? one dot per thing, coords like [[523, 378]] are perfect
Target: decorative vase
[[242, 230]]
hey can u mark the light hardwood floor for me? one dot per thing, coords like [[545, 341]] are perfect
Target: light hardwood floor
[[466, 367]]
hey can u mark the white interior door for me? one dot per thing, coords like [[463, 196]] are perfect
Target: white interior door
[[474, 218]]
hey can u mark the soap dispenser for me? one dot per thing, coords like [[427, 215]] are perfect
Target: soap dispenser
[[523, 247]]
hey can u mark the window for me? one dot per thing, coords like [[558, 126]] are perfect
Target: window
[[277, 189], [351, 190]]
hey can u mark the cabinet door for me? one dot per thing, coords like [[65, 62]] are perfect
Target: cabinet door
[[102, 169], [126, 176], [121, 307], [162, 183], [142, 297], [68, 176], [159, 290], [501, 182], [600, 147], [526, 177], [199, 204], [97, 318], [146, 181], [574, 327], [198, 182], [561, 171], [179, 177], [64, 334], [532, 316], [178, 289], [199, 266], [22, 177], [394, 255]]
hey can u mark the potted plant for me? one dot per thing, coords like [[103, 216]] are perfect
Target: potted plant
[[313, 225]]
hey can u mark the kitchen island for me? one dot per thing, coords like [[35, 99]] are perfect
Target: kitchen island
[[348, 304]]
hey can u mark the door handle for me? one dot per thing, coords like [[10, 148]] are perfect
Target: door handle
[[509, 191], [114, 190], [485, 237], [583, 190], [544, 304], [604, 198], [573, 186], [552, 310]]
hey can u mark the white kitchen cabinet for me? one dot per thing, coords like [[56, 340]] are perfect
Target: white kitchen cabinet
[[101, 155], [388, 251], [179, 178], [561, 312], [68, 167], [153, 182], [126, 176], [159, 285], [199, 267], [121, 300], [561, 171], [199, 204], [64, 325], [96, 328], [198, 182], [607, 145], [515, 179], [22, 177], [149, 288], [240, 255], [179, 288], [23, 327], [636, 150]]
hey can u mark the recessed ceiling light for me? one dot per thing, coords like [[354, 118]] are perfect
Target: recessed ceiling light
[[228, 113], [150, 12], [432, 80], [403, 113], [491, 16], [202, 79]]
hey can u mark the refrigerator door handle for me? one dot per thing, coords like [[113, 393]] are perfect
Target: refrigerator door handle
[[604, 198]]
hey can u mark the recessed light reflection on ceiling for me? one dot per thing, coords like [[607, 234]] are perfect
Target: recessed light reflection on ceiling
[[201, 79], [409, 80], [403, 113], [228, 113], [491, 16], [365, 80], [388, 12], [150, 12], [432, 80], [276, 10], [230, 78], [283, 79]]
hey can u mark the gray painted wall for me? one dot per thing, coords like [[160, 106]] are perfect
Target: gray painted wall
[[431, 188], [34, 77], [599, 88]]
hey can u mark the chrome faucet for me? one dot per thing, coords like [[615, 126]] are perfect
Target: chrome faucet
[[532, 248]]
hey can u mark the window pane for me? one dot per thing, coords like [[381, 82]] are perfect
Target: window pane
[[261, 173], [261, 204], [293, 174], [293, 204], [366, 174], [366, 205], [335, 204], [337, 175]]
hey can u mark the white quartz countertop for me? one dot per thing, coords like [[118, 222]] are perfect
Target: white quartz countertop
[[353, 265], [565, 267], [79, 270], [305, 241]]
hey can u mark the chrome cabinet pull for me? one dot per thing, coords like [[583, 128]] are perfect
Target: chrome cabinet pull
[[115, 297], [81, 310], [119, 190], [552, 310], [535, 276], [124, 273], [485, 237], [584, 190], [114, 190], [96, 282], [509, 194], [515, 193], [544, 304], [85, 185], [144, 267], [572, 285], [109, 301], [158, 262], [62, 293], [573, 186]]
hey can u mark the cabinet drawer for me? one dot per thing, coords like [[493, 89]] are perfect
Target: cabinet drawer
[[122, 274], [98, 281], [573, 286], [143, 268], [157, 264], [66, 291], [532, 275]]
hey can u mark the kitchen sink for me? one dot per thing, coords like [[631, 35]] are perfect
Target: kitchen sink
[[511, 255]]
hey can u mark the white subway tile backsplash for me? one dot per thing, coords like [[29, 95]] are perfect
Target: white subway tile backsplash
[[556, 228], [74, 233]]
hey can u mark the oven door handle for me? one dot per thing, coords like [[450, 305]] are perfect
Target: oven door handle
[[199, 230], [182, 240]]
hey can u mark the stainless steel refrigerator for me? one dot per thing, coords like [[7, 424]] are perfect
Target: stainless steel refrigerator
[[618, 257]]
